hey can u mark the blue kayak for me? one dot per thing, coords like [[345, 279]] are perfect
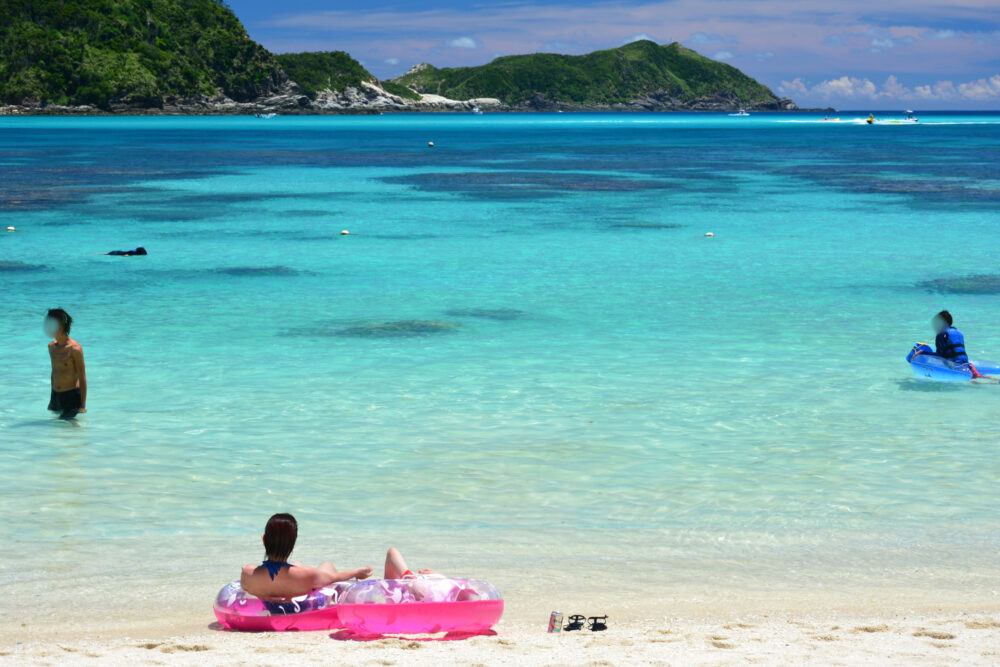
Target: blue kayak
[[929, 367]]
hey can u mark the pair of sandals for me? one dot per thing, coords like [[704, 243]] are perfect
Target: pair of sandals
[[595, 624]]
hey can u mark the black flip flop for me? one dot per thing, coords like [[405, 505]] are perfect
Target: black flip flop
[[598, 623], [576, 622]]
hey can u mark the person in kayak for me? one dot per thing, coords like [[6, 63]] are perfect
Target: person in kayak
[[950, 343]]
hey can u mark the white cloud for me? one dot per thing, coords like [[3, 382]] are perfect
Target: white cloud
[[764, 55], [392, 61], [833, 40], [638, 38], [707, 38], [942, 90], [849, 87], [723, 55], [853, 88], [464, 43], [981, 89], [894, 89], [940, 34], [795, 86], [884, 43]]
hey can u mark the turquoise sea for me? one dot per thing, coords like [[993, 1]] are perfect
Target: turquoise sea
[[527, 355]]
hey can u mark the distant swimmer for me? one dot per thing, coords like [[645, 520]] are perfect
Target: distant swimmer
[[69, 375], [129, 253]]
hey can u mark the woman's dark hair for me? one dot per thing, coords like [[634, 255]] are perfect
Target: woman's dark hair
[[62, 317], [946, 316], [141, 251], [279, 537]]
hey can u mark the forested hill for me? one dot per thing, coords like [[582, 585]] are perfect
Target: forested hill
[[141, 52], [641, 72]]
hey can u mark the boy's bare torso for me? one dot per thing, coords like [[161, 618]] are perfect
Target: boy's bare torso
[[65, 374]]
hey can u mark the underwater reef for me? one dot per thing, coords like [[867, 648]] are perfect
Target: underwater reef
[[501, 314], [398, 329], [984, 283]]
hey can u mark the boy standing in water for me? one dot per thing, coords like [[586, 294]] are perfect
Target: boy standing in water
[[69, 375]]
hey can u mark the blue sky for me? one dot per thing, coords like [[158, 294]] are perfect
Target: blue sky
[[846, 53]]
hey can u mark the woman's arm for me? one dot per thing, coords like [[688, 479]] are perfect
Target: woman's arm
[[81, 372], [327, 574]]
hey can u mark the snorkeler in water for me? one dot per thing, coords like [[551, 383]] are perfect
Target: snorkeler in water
[[129, 253], [69, 375]]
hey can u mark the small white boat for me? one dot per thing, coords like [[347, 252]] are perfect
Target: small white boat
[[266, 115], [477, 110], [742, 114]]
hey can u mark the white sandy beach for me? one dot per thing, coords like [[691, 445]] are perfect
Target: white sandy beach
[[660, 612], [905, 639]]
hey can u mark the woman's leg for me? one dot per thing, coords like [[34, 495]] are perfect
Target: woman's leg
[[395, 566]]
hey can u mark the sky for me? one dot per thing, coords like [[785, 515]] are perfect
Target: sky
[[849, 54]]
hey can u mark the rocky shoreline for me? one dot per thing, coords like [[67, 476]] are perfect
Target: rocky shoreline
[[367, 99]]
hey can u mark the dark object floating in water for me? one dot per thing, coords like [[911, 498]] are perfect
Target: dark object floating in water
[[986, 283], [647, 225], [20, 267], [259, 271], [487, 313], [400, 329]]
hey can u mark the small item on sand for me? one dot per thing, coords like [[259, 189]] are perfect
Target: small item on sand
[[576, 622], [555, 621], [598, 623]]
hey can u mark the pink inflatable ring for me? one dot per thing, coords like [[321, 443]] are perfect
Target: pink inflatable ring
[[419, 605], [238, 610]]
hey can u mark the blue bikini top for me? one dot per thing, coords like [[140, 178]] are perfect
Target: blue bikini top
[[274, 568]]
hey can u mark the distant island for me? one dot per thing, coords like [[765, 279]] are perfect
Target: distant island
[[641, 75], [195, 57]]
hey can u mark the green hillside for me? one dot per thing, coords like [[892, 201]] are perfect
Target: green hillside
[[336, 70], [132, 51], [613, 76], [316, 70]]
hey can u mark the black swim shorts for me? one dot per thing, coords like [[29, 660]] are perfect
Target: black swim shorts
[[66, 403]]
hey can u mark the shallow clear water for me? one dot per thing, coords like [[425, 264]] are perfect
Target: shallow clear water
[[570, 365]]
